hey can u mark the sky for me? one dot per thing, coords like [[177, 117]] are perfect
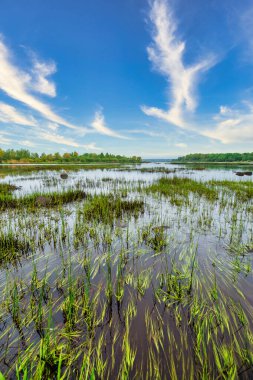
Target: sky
[[152, 78]]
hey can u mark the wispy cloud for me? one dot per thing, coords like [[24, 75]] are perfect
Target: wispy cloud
[[41, 71], [62, 140], [27, 143], [53, 126], [166, 53], [18, 85], [99, 125], [58, 139], [181, 145], [232, 125], [145, 132], [92, 146], [9, 114], [246, 31], [4, 140]]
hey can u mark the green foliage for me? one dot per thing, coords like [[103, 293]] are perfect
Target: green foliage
[[37, 200], [7, 188], [180, 188], [11, 246], [242, 189], [106, 208], [25, 156], [216, 157]]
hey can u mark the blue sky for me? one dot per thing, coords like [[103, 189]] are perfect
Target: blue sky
[[157, 78]]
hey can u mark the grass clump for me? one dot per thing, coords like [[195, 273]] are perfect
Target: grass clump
[[242, 189], [11, 247], [106, 208], [7, 188], [161, 169], [182, 187], [37, 200]]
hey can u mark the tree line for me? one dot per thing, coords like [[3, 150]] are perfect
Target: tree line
[[25, 156], [216, 157]]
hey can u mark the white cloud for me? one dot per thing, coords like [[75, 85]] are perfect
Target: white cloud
[[59, 139], [41, 71], [53, 126], [145, 132], [166, 54], [17, 84], [4, 140], [27, 143], [234, 125], [9, 114], [20, 85], [100, 126], [181, 145], [224, 110], [92, 146]]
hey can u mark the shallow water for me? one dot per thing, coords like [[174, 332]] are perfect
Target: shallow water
[[42, 179], [126, 252]]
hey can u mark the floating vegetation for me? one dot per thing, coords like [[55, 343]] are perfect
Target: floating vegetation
[[141, 279]]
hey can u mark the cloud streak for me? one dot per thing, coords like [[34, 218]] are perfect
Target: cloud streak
[[181, 145], [4, 140], [9, 114], [17, 84], [41, 71], [20, 85], [62, 140], [145, 132], [233, 125], [166, 54], [99, 125]]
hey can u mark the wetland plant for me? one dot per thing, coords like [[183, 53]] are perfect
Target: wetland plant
[[139, 281]]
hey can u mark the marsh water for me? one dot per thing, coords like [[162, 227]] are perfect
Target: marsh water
[[143, 278]]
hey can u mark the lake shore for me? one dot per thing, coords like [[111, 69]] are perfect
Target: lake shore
[[211, 163]]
